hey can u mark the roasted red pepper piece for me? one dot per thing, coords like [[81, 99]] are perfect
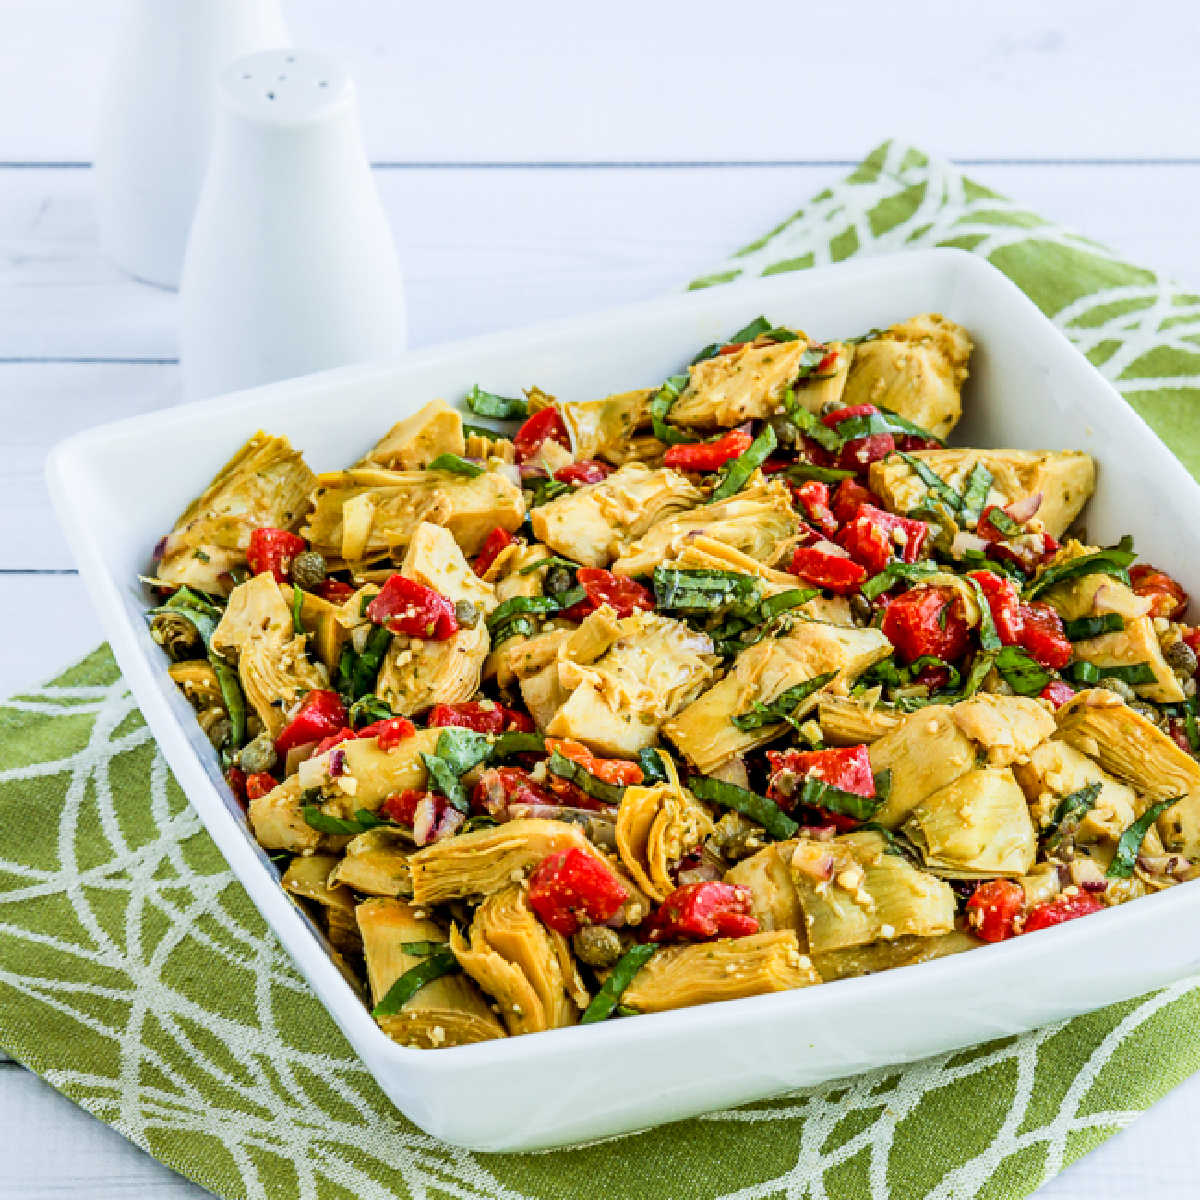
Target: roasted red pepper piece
[[847, 767], [499, 787], [708, 456], [1025, 550], [1001, 595], [273, 550], [1060, 909], [260, 784], [829, 566], [587, 470], [546, 425], [858, 453], [495, 541], [402, 808], [699, 911], [572, 884], [1167, 598], [867, 543], [848, 498], [481, 716], [603, 587], [236, 778], [993, 907], [1057, 692], [390, 732], [926, 621], [813, 498], [1043, 637], [406, 606], [906, 535], [345, 734], [334, 590], [321, 713], [619, 771]]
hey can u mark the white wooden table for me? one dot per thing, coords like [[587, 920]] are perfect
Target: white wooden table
[[542, 159]]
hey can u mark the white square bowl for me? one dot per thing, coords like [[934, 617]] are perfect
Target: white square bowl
[[119, 487]]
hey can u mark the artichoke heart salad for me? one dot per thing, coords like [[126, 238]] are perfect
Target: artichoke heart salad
[[739, 682]]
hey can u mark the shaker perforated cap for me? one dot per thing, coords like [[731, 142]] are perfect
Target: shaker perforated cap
[[286, 86]]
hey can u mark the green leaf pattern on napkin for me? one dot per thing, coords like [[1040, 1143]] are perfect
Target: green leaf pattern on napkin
[[138, 979]]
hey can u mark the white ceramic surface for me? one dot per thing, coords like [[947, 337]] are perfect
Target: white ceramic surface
[[119, 487], [290, 266], [156, 122]]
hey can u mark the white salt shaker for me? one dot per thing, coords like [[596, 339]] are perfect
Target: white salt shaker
[[290, 267], [156, 122]]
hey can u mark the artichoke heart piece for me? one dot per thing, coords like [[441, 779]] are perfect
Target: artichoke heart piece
[[1065, 478], [307, 876], [257, 630], [758, 521], [1091, 595], [767, 876], [525, 967], [266, 483], [416, 673], [321, 622], [854, 961], [924, 752], [747, 385], [622, 677], [514, 572], [704, 732], [416, 441], [853, 891], [1055, 770], [375, 863], [278, 822], [485, 860], [1099, 724], [447, 1011], [976, 827], [729, 969], [593, 524], [369, 513], [1009, 728], [917, 369], [1136, 643], [603, 428], [845, 721], [814, 392], [656, 827]]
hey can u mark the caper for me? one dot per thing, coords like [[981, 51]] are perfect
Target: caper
[[1119, 686], [597, 945], [861, 608], [557, 581], [218, 732], [785, 430], [308, 569], [831, 406], [1181, 658], [466, 614], [258, 755]]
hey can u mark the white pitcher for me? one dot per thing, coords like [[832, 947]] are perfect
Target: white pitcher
[[290, 267], [156, 122]]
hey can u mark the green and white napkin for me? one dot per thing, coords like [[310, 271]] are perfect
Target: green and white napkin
[[137, 978]]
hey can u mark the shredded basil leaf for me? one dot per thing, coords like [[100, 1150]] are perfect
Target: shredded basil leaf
[[975, 493], [516, 742], [805, 471], [1021, 672], [1189, 723], [932, 662], [1083, 628], [781, 708], [362, 820], [1130, 844], [1114, 561], [365, 665], [653, 768], [660, 406], [702, 590], [461, 749], [1072, 807], [894, 571], [443, 779], [456, 465], [613, 988], [734, 474], [989, 639], [933, 481], [1003, 523], [544, 488], [551, 561], [488, 404], [434, 966], [368, 709], [566, 768], [758, 808], [781, 602], [816, 793], [1137, 673], [810, 424], [297, 608]]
